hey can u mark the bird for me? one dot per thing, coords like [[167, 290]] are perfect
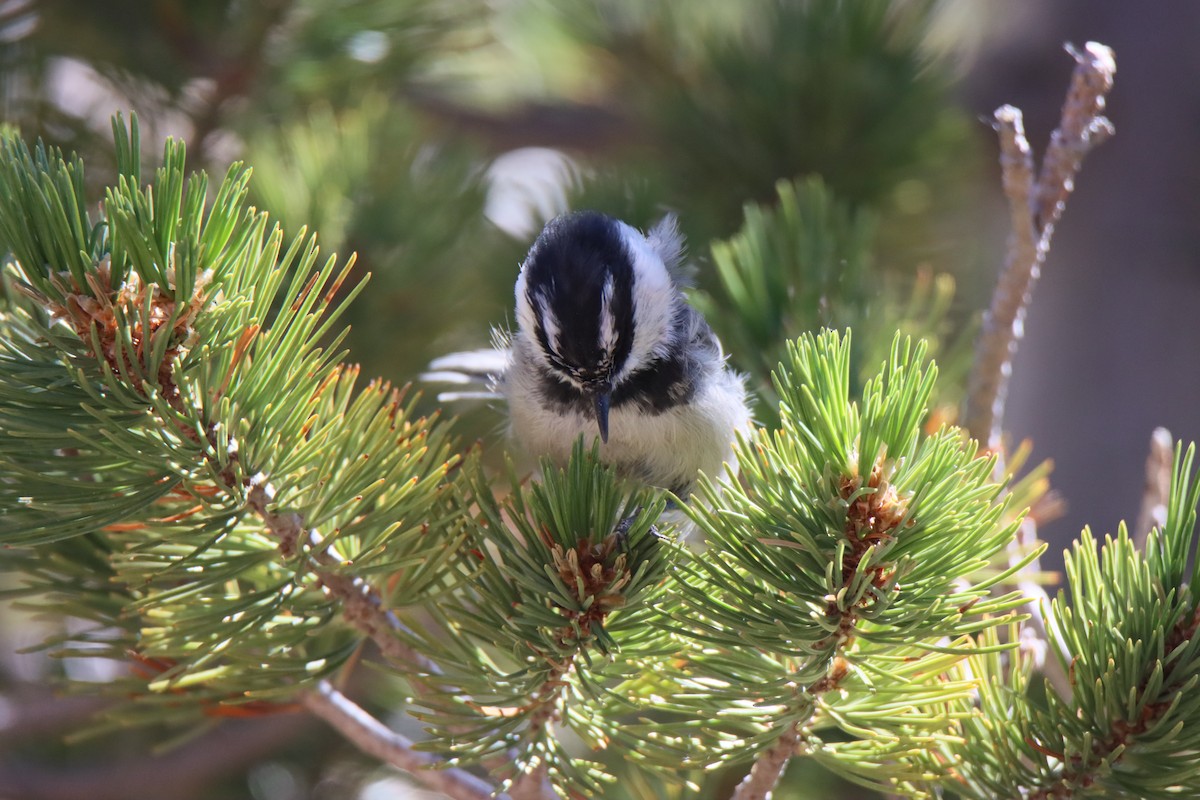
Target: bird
[[607, 347]]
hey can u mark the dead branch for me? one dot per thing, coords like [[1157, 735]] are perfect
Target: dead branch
[[1035, 207], [1157, 492]]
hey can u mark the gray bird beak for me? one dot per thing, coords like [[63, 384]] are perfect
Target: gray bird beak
[[601, 399]]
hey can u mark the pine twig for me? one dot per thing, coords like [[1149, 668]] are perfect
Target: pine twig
[[1083, 127], [376, 739], [1035, 207], [363, 608], [763, 777], [362, 605], [1157, 492], [1003, 321], [533, 785]]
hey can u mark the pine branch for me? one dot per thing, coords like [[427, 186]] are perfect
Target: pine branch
[[363, 608], [557, 612], [1125, 629], [830, 564], [800, 265], [361, 603], [285, 490], [184, 401], [1035, 208], [376, 739], [193, 473], [805, 263]]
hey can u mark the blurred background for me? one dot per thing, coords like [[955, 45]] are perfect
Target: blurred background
[[433, 138]]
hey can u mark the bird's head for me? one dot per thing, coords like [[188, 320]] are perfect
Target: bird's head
[[597, 300]]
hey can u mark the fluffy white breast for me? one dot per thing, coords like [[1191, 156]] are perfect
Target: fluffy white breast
[[665, 450]]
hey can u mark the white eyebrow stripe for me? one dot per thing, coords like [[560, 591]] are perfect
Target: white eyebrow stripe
[[608, 321], [549, 322]]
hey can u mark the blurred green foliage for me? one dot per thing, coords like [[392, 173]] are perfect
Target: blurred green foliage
[[374, 122]]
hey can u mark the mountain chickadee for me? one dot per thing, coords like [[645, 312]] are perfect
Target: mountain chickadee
[[606, 345]]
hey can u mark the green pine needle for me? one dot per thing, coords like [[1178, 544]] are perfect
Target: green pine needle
[[167, 358], [559, 611], [838, 587]]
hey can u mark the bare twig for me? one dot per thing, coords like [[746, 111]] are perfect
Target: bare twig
[[1035, 207], [1083, 127], [1157, 492], [768, 769], [1002, 323], [376, 739]]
